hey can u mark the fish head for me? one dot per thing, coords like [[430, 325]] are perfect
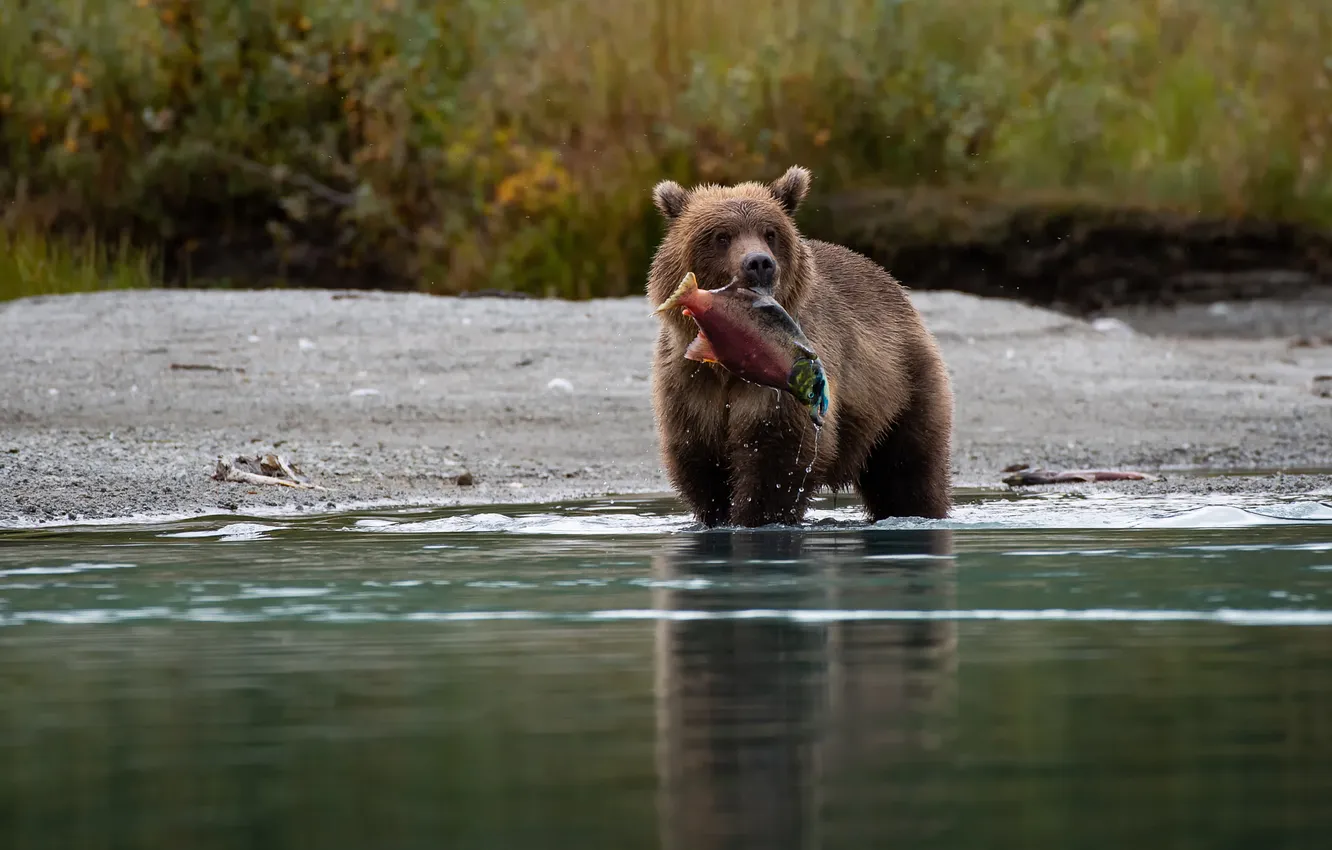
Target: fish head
[[809, 384]]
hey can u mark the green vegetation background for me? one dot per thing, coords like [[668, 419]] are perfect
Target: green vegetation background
[[470, 144]]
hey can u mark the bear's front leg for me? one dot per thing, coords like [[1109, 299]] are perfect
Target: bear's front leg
[[689, 403], [701, 475], [770, 447]]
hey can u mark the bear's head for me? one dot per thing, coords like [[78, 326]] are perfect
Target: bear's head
[[744, 232]]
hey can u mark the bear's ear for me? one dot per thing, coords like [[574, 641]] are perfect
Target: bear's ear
[[790, 189], [670, 197]]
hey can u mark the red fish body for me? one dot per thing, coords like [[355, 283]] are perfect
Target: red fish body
[[750, 335]]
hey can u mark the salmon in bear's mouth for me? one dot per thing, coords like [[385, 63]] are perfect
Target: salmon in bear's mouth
[[753, 337]]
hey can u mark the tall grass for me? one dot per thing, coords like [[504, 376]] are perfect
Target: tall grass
[[513, 143], [33, 263]]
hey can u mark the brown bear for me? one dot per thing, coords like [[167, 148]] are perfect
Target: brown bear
[[744, 455]]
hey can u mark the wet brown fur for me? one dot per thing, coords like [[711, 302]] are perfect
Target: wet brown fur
[[737, 453]]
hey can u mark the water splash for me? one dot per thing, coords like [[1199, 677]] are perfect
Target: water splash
[[814, 457]]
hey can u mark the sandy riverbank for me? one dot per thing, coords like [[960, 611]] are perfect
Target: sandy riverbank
[[390, 397]]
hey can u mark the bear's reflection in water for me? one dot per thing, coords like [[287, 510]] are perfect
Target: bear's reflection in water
[[764, 723]]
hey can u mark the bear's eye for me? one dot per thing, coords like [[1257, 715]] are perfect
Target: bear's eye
[[771, 236], [723, 239]]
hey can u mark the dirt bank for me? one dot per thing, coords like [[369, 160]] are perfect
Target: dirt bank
[[1080, 255], [120, 403]]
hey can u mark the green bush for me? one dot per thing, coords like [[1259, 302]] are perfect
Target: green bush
[[469, 144]]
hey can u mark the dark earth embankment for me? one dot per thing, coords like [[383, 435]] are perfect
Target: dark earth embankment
[[1080, 257], [1076, 256]]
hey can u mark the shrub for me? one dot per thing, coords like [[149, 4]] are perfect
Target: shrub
[[513, 144]]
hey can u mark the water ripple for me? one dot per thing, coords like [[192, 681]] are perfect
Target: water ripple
[[542, 523], [70, 569], [1093, 511], [1231, 616], [233, 531]]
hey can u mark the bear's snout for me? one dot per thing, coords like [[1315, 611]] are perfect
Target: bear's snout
[[759, 268]]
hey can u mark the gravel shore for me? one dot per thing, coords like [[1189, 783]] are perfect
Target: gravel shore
[[119, 404]]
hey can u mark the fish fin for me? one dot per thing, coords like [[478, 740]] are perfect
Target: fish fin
[[701, 350], [687, 285]]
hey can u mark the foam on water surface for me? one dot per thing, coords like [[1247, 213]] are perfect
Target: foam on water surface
[[1060, 558], [1100, 511]]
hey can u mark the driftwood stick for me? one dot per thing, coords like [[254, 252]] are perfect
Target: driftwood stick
[[227, 471]]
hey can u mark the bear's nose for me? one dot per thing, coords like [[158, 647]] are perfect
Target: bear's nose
[[759, 269]]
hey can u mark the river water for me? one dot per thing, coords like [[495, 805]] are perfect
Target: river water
[[1053, 671]]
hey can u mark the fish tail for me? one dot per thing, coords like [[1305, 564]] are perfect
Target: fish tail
[[688, 285]]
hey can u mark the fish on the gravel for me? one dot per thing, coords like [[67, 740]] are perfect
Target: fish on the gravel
[[1031, 477], [753, 337]]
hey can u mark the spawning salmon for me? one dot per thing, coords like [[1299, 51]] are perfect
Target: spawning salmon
[[753, 337]]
